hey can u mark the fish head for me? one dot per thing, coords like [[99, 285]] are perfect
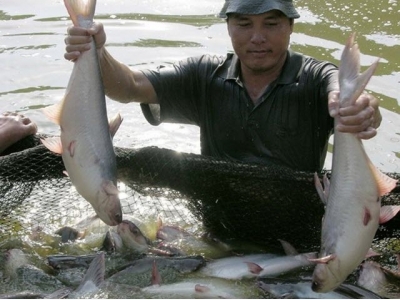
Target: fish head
[[325, 277], [131, 236], [107, 204]]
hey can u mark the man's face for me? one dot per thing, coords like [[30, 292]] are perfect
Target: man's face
[[260, 41]]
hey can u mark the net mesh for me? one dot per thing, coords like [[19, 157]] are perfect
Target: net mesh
[[232, 200]]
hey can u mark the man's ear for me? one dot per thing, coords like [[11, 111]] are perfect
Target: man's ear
[[291, 25]]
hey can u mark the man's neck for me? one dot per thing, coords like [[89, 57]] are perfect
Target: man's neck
[[257, 82]]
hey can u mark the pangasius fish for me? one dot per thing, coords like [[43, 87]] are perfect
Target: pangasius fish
[[301, 289], [86, 137], [132, 237], [258, 265], [353, 195], [380, 279]]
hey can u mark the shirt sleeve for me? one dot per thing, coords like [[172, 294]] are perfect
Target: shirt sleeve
[[179, 90]]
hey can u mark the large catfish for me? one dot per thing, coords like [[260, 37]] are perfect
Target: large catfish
[[86, 137], [353, 204]]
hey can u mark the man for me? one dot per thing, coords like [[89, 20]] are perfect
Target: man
[[262, 104], [14, 127]]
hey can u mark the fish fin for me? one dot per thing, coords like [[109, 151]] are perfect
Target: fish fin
[[53, 144], [155, 275], [59, 294], [53, 112], [199, 288], [322, 191], [95, 273], [114, 124], [109, 187], [288, 248], [323, 260], [351, 82], [254, 268], [371, 253], [79, 10], [385, 183], [388, 212]]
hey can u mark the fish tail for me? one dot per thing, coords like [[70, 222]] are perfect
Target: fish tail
[[81, 10], [351, 82]]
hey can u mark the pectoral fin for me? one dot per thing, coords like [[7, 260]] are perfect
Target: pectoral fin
[[114, 124], [53, 112], [53, 144], [323, 192], [254, 268], [155, 275], [385, 183], [201, 288], [388, 212]]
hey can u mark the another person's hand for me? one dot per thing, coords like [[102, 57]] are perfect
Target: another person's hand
[[14, 127], [79, 39], [362, 118]]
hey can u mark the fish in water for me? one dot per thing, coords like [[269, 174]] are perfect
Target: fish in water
[[258, 265], [379, 279], [301, 289], [139, 272], [202, 288], [85, 141], [352, 196], [112, 242], [93, 279], [132, 237]]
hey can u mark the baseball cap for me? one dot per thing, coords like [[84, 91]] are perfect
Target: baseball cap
[[255, 7]]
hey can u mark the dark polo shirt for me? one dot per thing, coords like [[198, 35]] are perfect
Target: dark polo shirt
[[290, 124]]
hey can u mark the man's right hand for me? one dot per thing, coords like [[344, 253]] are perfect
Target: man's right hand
[[79, 39]]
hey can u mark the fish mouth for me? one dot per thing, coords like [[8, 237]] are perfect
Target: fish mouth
[[321, 282], [112, 218]]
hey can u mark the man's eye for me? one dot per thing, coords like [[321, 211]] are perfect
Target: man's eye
[[244, 24], [271, 24]]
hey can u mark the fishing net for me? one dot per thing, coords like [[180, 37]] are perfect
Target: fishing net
[[232, 200]]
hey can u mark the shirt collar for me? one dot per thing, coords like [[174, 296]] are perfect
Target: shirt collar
[[290, 71]]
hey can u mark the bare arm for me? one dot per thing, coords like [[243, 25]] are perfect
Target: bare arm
[[120, 82]]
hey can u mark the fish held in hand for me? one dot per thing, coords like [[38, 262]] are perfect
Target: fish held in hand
[[85, 141], [353, 202]]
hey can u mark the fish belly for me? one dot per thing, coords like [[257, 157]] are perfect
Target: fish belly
[[88, 153]]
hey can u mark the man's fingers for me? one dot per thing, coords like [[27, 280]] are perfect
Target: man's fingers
[[367, 134], [72, 56]]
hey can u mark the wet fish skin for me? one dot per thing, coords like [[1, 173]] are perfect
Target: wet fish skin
[[379, 279], [353, 203], [132, 237], [138, 272], [69, 261], [301, 289], [86, 137]]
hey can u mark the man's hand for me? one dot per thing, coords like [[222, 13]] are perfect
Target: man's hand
[[79, 39], [362, 118], [14, 127]]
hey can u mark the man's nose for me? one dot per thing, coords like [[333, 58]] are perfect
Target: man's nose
[[258, 38]]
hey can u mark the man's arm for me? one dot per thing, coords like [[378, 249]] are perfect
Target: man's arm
[[120, 82]]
